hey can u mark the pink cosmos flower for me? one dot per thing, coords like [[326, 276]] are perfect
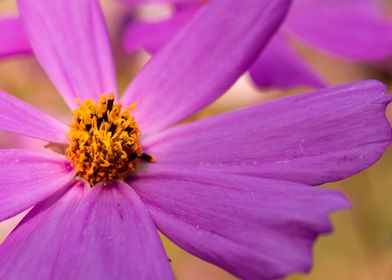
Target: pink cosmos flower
[[356, 30], [234, 189]]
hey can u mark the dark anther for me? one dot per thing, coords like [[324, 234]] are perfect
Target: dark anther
[[128, 129], [99, 122], [147, 157], [110, 104], [132, 156], [88, 127], [105, 116]]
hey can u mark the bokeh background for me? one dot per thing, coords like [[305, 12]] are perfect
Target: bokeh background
[[360, 247]]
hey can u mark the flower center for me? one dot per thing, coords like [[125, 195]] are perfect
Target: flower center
[[104, 140]]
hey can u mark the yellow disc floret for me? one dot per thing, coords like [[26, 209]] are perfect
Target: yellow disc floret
[[104, 140]]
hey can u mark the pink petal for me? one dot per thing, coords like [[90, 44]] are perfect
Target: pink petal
[[310, 138], [356, 29], [254, 228], [280, 65], [12, 37], [203, 60], [70, 40], [114, 238], [107, 234], [31, 250], [28, 177], [146, 2], [151, 36], [19, 117]]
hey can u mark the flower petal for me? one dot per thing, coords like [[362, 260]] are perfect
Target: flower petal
[[191, 70], [109, 235], [309, 138], [113, 231], [28, 177], [70, 40], [153, 35], [12, 37], [19, 117], [280, 65], [30, 251], [254, 228], [354, 29], [147, 2]]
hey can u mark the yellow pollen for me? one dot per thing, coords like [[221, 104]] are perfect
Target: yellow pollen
[[104, 140]]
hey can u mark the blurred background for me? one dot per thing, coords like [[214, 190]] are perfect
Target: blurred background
[[361, 245]]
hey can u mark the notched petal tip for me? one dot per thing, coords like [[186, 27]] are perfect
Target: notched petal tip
[[343, 203], [269, 232]]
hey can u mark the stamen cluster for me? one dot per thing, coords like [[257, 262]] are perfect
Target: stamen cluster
[[104, 140]]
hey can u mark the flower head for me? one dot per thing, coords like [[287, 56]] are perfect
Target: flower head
[[233, 189], [104, 141]]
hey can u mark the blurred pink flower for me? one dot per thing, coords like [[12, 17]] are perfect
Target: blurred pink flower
[[12, 37], [357, 30]]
